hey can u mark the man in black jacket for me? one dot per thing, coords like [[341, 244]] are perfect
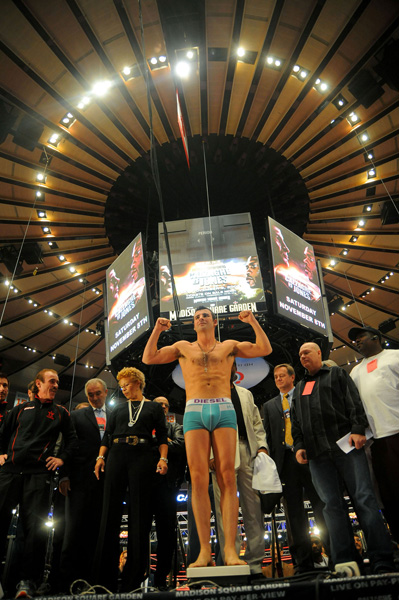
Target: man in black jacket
[[295, 477], [27, 440], [3, 395], [83, 491], [326, 408], [164, 498]]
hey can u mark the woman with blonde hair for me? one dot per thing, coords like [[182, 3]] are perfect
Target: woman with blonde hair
[[127, 459]]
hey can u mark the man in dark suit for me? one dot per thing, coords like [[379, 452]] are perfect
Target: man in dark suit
[[164, 499], [83, 491], [294, 477]]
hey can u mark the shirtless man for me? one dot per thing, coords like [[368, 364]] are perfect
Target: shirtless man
[[210, 418]]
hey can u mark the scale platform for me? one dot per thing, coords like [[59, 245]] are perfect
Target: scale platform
[[226, 575]]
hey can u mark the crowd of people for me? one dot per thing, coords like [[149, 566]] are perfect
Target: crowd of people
[[130, 455]]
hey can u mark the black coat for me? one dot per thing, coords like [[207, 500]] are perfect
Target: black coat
[[80, 468]]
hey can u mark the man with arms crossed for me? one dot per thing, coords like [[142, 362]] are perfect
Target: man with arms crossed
[[210, 417]]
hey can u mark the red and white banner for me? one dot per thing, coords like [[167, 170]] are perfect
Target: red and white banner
[[182, 127]]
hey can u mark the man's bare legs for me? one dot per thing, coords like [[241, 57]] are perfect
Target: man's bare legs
[[224, 449], [198, 443]]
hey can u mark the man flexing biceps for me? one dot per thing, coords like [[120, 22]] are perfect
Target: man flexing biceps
[[209, 418]]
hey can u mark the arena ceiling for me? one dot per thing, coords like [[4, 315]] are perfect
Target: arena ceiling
[[291, 128]]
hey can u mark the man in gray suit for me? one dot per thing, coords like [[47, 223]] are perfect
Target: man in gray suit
[[252, 440]]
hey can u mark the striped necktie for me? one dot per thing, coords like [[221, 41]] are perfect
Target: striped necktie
[[287, 420]]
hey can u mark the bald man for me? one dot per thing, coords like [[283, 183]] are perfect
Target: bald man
[[327, 406]]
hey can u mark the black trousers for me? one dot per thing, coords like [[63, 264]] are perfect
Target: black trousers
[[133, 468], [297, 479], [32, 493], [164, 507], [385, 459], [83, 510]]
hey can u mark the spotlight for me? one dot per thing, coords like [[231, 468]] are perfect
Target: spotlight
[[101, 88], [353, 118], [61, 258], [240, 52], [39, 195], [162, 58], [190, 54], [361, 223], [296, 68], [130, 72], [371, 173], [41, 214], [339, 102], [335, 304], [363, 137], [270, 60], [46, 230], [153, 60], [182, 69], [370, 155], [353, 239], [344, 252], [72, 269], [68, 120], [41, 177], [333, 263], [54, 140]]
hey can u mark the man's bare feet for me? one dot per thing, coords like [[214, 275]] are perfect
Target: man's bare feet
[[204, 560], [232, 558]]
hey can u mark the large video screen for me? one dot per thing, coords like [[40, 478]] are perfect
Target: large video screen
[[215, 263], [127, 312], [296, 280]]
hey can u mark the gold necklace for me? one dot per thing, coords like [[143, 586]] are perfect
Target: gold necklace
[[205, 355]]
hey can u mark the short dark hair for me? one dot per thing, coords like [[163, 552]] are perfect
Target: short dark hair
[[206, 308], [4, 376]]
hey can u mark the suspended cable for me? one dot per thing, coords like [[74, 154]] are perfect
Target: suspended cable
[[22, 243], [155, 175], [77, 343], [210, 229]]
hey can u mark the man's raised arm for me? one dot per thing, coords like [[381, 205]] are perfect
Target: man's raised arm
[[261, 347], [167, 354]]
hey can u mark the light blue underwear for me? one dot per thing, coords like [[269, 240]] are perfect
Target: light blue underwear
[[209, 413]]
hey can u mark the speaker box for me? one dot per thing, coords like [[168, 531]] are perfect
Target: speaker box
[[31, 253], [61, 359], [365, 88], [387, 67], [390, 213], [28, 133], [7, 120]]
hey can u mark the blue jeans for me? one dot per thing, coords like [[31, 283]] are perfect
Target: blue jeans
[[327, 471]]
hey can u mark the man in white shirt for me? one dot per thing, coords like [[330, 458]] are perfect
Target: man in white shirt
[[377, 379]]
